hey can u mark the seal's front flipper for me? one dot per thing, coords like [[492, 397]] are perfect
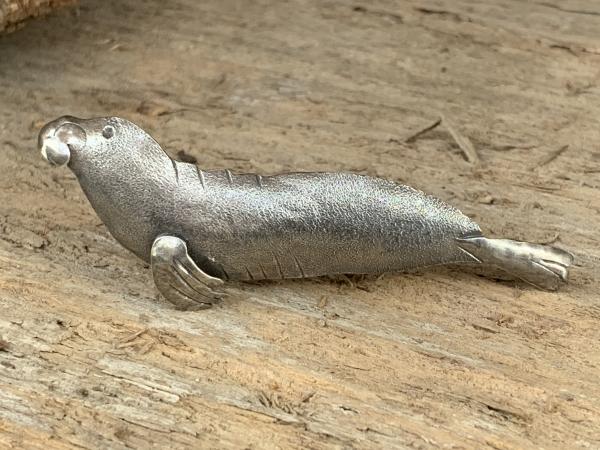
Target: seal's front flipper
[[178, 278], [542, 266]]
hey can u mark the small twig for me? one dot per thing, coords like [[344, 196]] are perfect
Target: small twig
[[552, 156], [306, 398], [418, 134], [463, 142], [484, 328], [131, 337], [443, 13], [357, 368], [567, 10], [538, 187], [508, 147], [565, 47]]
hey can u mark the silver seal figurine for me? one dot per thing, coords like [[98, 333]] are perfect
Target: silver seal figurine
[[200, 228]]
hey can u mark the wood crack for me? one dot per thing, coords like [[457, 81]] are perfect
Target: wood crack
[[568, 10]]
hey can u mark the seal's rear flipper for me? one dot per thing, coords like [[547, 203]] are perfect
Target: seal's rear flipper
[[542, 266], [178, 278]]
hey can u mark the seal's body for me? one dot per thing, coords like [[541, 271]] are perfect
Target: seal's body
[[251, 227]]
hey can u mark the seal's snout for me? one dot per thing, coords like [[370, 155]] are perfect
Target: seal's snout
[[59, 138]]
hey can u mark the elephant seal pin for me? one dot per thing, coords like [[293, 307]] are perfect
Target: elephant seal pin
[[200, 228]]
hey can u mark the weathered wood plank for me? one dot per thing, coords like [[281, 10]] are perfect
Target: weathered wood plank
[[91, 358]]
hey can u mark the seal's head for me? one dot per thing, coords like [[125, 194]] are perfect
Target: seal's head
[[68, 138], [59, 138]]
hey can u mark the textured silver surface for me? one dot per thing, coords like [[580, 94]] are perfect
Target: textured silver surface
[[178, 277], [253, 227]]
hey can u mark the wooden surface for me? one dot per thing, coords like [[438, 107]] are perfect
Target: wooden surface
[[13, 13], [90, 356]]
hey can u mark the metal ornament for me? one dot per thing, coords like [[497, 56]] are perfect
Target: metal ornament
[[199, 228]]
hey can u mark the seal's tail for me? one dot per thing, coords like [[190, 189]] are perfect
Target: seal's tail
[[542, 266]]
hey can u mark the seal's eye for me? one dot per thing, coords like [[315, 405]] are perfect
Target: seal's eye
[[108, 131]]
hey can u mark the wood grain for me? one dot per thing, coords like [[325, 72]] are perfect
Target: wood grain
[[90, 357]]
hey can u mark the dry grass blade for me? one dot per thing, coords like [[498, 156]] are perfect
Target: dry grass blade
[[462, 141], [553, 155], [413, 137]]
